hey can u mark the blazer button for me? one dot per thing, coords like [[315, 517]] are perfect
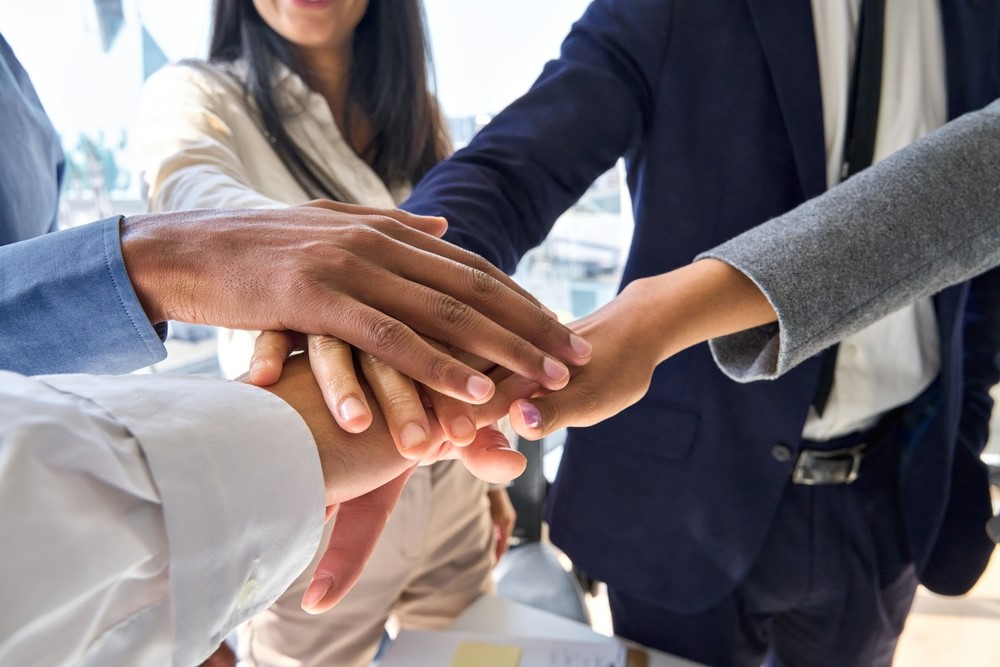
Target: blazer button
[[781, 453]]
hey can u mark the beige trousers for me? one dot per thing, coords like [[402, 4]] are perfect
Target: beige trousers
[[433, 560]]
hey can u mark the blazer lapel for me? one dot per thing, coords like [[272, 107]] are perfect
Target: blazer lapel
[[786, 35]]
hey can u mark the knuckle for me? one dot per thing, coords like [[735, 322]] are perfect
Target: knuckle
[[388, 335], [453, 311], [441, 368], [483, 285], [546, 324], [381, 224], [520, 349], [325, 344], [336, 386], [399, 400], [372, 363]]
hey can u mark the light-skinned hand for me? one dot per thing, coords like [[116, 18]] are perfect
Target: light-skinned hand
[[651, 320], [364, 475], [504, 517], [403, 402]]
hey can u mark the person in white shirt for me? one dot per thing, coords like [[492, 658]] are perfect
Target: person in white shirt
[[143, 517]]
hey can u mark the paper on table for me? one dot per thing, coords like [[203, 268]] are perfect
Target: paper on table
[[415, 648], [478, 654]]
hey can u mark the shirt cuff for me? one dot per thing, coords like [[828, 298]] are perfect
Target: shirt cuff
[[69, 299], [241, 486]]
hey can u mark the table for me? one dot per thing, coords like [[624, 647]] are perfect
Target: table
[[495, 615]]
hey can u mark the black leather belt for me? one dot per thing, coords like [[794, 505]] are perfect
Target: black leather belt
[[829, 466], [817, 464]]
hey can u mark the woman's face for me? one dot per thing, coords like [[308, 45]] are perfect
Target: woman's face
[[313, 23]]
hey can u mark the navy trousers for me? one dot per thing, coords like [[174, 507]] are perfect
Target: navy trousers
[[832, 586]]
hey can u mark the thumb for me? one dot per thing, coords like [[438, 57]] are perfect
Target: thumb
[[538, 417]]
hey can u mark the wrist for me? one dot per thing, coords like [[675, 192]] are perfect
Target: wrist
[[139, 253], [700, 301]]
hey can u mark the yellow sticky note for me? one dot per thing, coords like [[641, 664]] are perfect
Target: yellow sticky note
[[478, 654]]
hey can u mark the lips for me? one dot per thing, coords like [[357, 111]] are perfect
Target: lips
[[313, 4]]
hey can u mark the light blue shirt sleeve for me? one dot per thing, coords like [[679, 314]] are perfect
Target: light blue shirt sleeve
[[67, 306]]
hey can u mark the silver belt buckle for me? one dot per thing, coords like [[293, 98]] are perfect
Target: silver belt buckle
[[838, 466]]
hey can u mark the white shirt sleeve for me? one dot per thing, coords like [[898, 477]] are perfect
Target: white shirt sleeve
[[143, 517]]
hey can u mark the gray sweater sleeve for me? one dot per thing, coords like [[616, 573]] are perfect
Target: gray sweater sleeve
[[924, 218]]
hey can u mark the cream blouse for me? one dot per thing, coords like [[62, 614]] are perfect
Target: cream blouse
[[200, 146]]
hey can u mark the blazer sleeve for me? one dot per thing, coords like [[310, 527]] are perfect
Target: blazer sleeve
[[503, 192], [925, 218], [67, 305]]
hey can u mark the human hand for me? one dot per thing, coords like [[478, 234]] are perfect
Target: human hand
[[364, 474], [625, 353], [504, 518], [403, 403], [373, 278], [651, 320], [359, 523]]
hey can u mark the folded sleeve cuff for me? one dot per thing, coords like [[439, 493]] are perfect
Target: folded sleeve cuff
[[242, 492], [70, 300]]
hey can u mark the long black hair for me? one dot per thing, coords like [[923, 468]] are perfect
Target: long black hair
[[388, 84]]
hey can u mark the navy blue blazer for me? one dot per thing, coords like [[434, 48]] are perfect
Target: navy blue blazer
[[716, 107]]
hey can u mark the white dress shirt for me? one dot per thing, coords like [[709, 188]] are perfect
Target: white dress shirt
[[144, 517], [889, 363]]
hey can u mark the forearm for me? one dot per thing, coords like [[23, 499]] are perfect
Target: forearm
[[692, 304], [923, 219]]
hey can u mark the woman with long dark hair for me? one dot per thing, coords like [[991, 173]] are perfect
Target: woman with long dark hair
[[305, 99]]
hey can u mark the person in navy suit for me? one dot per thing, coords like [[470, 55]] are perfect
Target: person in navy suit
[[785, 521]]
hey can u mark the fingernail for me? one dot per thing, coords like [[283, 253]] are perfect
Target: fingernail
[[462, 428], [580, 346], [532, 417], [318, 588], [352, 408], [412, 435], [478, 387], [257, 364], [554, 369]]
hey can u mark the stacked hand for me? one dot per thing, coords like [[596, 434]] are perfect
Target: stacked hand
[[364, 475], [417, 346]]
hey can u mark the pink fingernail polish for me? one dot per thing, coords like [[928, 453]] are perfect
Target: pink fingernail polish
[[531, 416]]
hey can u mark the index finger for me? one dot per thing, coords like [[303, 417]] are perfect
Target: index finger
[[358, 525]]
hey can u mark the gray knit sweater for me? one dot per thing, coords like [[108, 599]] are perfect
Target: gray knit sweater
[[924, 218]]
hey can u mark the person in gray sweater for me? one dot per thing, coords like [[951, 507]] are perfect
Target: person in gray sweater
[[923, 219]]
